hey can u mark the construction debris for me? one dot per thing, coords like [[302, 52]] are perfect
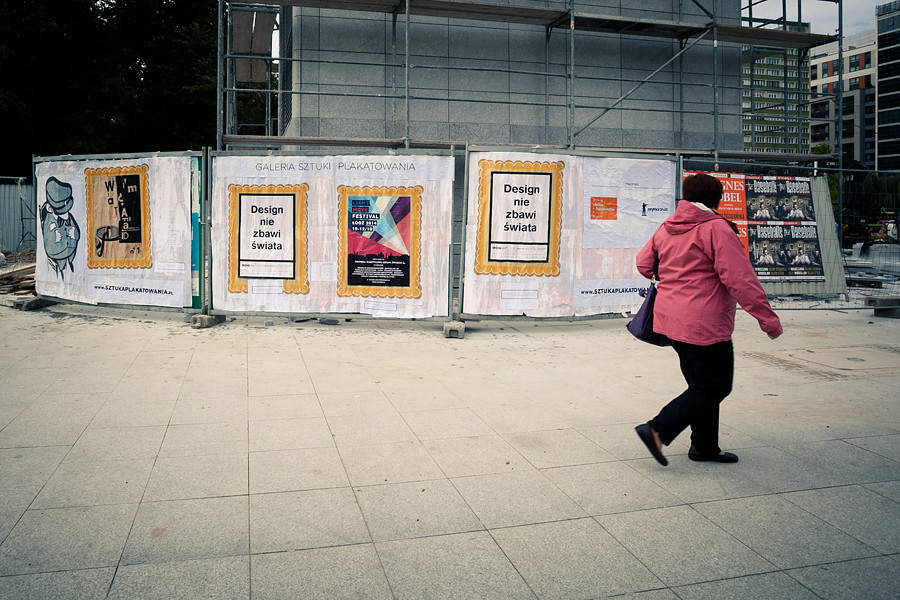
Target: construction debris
[[18, 275]]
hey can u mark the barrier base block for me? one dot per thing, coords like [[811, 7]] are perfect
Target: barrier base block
[[890, 313], [32, 303], [203, 321], [454, 329]]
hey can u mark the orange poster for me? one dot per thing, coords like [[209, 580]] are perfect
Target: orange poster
[[604, 209]]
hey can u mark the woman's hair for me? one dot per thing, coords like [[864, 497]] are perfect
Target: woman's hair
[[702, 188]]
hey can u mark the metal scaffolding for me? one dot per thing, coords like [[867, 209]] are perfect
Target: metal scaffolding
[[247, 65]]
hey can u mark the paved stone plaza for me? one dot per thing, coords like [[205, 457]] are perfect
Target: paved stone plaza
[[263, 459]]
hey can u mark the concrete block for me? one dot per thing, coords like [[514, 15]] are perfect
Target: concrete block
[[454, 329], [204, 321], [32, 303]]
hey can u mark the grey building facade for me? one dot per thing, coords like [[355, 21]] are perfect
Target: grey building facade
[[605, 74]]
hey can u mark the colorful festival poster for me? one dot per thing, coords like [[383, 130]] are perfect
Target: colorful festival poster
[[380, 241], [268, 225], [519, 218], [118, 210]]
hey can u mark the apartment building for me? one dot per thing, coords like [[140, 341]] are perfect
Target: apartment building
[[774, 98], [851, 109], [887, 18]]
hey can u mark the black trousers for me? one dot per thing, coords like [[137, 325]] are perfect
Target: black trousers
[[709, 373]]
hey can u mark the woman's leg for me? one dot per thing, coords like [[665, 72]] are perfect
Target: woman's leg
[[709, 373]]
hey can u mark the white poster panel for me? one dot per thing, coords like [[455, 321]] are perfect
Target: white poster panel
[[625, 200], [115, 231], [607, 209], [369, 234], [522, 229]]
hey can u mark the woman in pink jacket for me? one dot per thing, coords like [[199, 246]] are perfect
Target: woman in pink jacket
[[703, 273]]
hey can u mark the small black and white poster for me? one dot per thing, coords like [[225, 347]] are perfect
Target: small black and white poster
[[520, 222], [266, 233]]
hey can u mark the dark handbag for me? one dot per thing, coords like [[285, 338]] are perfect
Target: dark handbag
[[641, 326]]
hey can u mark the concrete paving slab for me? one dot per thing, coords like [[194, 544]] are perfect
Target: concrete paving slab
[[371, 429], [418, 509], [838, 506], [477, 455], [95, 483], [294, 406], [888, 489], [389, 463], [782, 533], [52, 420], [610, 487], [516, 498], [452, 567], [221, 409], [87, 584], [29, 467], [680, 546], [302, 520], [873, 578], [203, 476], [448, 423], [296, 470], [117, 443], [768, 586], [201, 439], [225, 578], [558, 448], [345, 404], [289, 434], [67, 539], [586, 561], [181, 530], [341, 573]]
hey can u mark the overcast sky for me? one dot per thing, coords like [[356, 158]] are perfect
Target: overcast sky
[[859, 15]]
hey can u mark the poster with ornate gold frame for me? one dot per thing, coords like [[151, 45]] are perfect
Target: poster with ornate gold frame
[[118, 213], [519, 217], [379, 253], [268, 236]]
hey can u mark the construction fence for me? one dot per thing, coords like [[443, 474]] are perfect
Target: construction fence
[[488, 232]]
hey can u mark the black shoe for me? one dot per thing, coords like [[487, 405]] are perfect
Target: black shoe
[[645, 432], [725, 457]]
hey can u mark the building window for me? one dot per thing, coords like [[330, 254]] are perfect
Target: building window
[[854, 63], [814, 72], [854, 83]]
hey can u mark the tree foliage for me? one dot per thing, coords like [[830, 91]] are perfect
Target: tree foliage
[[82, 76]]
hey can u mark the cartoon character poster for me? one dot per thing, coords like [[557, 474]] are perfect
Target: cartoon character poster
[[118, 210], [380, 241], [59, 229]]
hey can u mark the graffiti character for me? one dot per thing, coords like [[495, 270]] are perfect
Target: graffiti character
[[59, 228]]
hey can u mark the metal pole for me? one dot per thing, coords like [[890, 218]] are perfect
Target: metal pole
[[406, 66], [715, 85], [840, 137], [393, 68], [571, 127], [205, 257], [547, 85], [220, 78]]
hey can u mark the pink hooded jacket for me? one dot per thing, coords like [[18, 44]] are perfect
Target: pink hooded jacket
[[703, 274]]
